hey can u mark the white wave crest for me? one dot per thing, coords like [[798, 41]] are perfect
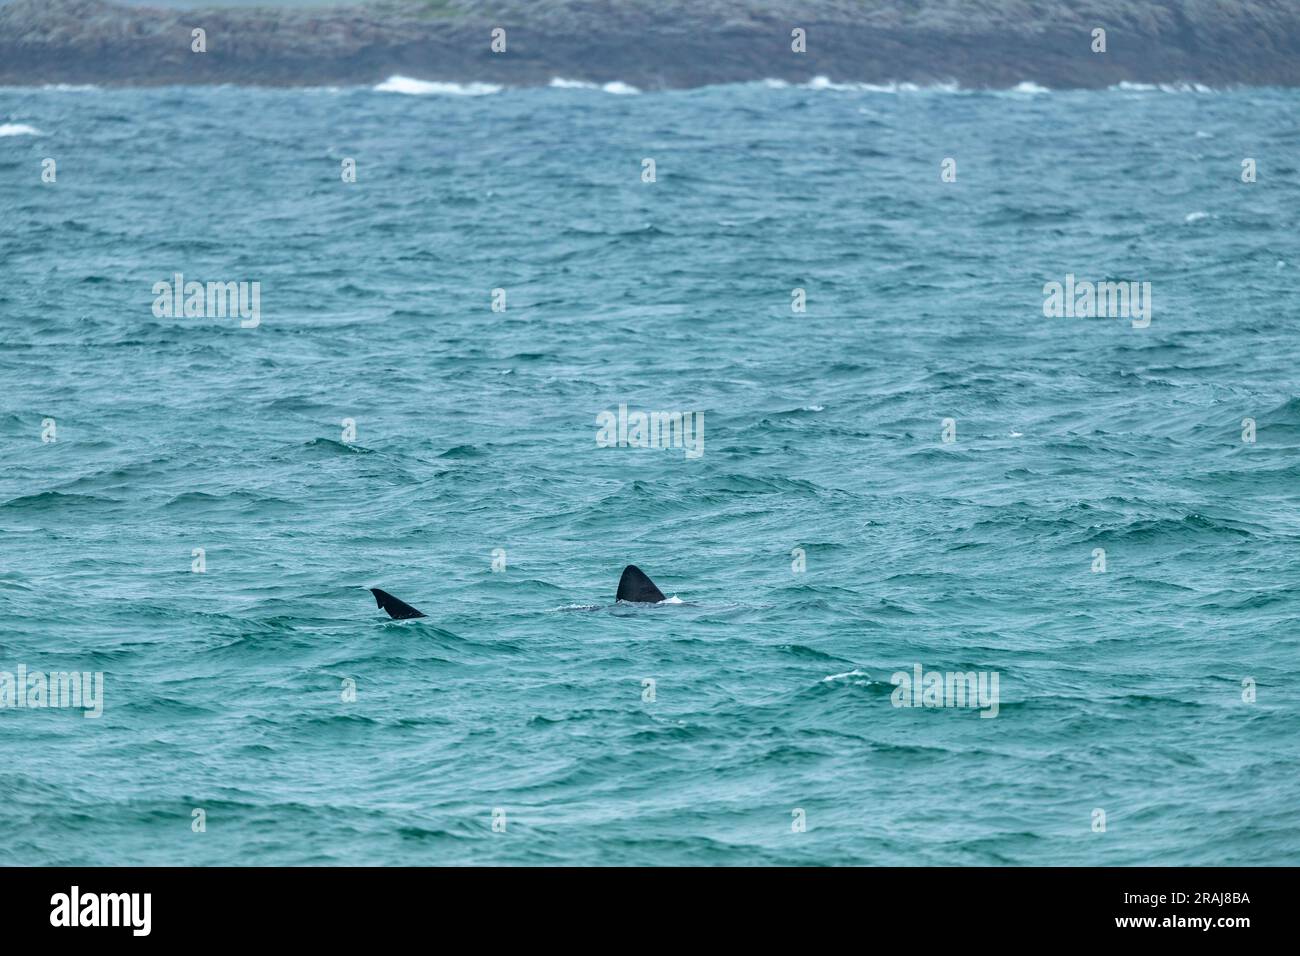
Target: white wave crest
[[846, 675], [1127, 87], [413, 87], [826, 83], [617, 87], [18, 129]]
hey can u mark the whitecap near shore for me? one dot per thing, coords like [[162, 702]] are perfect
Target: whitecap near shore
[[825, 83], [616, 87], [413, 87], [1128, 87]]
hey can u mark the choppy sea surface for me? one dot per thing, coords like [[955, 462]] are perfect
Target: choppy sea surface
[[1161, 691]]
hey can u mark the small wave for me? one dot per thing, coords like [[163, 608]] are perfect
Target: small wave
[[333, 446], [193, 500], [826, 83], [1190, 526], [616, 87], [1128, 87], [846, 676], [672, 600], [811, 653], [462, 451], [1285, 416], [1029, 86], [413, 87], [18, 129], [803, 411], [54, 500], [1196, 216]]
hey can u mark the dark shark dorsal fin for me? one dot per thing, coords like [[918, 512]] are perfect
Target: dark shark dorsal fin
[[398, 610], [635, 586]]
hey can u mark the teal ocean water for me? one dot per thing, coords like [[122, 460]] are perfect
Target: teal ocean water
[[754, 721]]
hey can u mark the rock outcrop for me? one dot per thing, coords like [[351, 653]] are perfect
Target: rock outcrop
[[658, 43]]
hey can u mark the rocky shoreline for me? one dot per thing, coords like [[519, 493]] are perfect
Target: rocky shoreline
[[654, 45]]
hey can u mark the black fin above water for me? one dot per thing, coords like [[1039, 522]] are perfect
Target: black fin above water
[[635, 586], [398, 610]]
